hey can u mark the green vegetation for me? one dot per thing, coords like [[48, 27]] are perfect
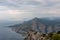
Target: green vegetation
[[56, 36]]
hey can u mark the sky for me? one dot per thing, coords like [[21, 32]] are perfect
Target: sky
[[27, 9]]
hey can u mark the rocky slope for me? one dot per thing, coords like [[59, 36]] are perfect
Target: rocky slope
[[37, 24]]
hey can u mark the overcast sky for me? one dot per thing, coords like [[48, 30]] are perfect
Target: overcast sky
[[22, 9]]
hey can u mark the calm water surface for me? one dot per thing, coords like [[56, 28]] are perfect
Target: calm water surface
[[8, 34]]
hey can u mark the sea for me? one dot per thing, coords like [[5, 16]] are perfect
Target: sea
[[6, 33]]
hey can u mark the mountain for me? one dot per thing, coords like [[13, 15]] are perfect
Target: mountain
[[37, 24]]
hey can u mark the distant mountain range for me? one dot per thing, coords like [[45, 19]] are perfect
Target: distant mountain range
[[38, 24]]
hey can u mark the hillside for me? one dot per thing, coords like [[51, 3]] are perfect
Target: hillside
[[37, 24]]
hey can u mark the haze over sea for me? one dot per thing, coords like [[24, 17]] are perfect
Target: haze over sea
[[7, 34]]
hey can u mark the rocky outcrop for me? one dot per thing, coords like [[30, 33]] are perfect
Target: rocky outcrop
[[31, 35]]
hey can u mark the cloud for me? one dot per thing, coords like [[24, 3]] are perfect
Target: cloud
[[21, 9], [19, 14], [39, 0], [11, 14]]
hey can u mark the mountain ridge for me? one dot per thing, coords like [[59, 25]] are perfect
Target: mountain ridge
[[37, 24]]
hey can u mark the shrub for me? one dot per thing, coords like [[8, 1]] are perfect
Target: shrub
[[56, 37]]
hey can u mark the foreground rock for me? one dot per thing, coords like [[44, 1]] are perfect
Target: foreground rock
[[32, 35]]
